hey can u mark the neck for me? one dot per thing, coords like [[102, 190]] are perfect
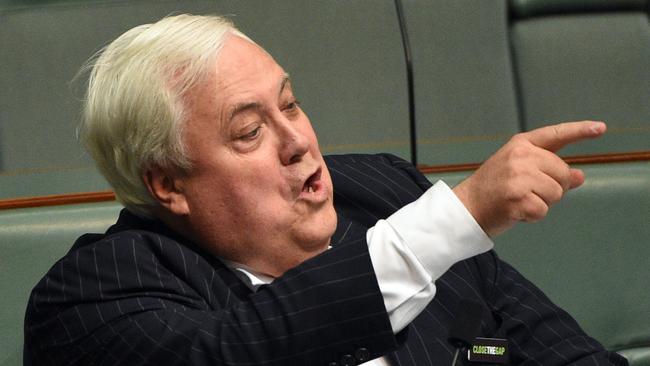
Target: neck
[[268, 260]]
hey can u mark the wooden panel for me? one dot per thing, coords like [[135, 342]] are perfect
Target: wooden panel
[[577, 159], [59, 199]]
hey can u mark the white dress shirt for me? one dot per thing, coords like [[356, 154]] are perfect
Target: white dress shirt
[[409, 251]]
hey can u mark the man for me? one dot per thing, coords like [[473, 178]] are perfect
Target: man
[[231, 251]]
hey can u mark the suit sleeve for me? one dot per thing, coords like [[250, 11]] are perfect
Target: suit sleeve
[[140, 299], [539, 332]]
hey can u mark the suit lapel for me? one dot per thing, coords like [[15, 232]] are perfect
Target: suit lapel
[[347, 230]]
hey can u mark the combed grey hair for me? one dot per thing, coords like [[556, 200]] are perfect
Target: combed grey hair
[[133, 114]]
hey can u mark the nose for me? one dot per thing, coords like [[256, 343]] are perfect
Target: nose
[[294, 143]]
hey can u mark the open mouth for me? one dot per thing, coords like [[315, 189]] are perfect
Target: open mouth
[[311, 184]]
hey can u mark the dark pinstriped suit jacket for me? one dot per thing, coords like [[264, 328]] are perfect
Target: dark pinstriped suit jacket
[[141, 294]]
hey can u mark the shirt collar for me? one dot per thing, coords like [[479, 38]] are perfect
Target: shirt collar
[[251, 278]]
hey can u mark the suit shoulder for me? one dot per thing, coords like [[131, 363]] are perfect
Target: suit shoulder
[[381, 158], [372, 187]]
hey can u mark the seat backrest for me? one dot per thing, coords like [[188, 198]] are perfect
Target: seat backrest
[[585, 59], [465, 96], [31, 241], [43, 46]]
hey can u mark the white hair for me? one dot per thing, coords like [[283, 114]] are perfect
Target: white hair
[[134, 113]]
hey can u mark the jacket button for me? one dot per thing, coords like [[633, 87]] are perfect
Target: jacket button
[[362, 354], [348, 360], [333, 364]]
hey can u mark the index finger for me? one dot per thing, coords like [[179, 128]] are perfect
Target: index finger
[[555, 137]]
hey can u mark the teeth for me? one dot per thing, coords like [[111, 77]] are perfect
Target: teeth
[[310, 189]]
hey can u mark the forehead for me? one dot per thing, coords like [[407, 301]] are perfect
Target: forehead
[[243, 73], [242, 62]]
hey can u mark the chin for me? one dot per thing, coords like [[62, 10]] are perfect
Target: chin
[[318, 235], [316, 241]]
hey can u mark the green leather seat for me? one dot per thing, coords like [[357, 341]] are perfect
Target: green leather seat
[[31, 241], [44, 44], [465, 100], [585, 59]]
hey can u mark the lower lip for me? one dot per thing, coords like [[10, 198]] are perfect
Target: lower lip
[[319, 194]]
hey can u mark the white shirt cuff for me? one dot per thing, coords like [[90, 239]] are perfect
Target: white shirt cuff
[[439, 230], [418, 244]]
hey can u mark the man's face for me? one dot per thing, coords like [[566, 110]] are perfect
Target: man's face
[[259, 192]]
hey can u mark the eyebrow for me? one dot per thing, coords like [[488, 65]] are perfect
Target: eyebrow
[[243, 107], [285, 80]]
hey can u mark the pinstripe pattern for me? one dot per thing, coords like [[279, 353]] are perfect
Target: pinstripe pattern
[[143, 295]]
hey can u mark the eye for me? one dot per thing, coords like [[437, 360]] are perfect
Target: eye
[[250, 135], [292, 106]]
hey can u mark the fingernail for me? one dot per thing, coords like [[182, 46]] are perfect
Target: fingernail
[[598, 127]]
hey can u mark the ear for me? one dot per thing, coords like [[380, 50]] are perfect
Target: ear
[[167, 189]]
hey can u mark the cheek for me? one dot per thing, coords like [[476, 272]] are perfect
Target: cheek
[[246, 192], [234, 208]]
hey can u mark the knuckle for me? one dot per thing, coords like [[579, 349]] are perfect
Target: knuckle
[[519, 138], [534, 211], [518, 176], [553, 194], [519, 151], [557, 194], [514, 193], [565, 179], [566, 185]]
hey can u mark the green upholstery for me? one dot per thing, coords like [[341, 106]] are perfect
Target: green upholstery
[[530, 8], [43, 46], [591, 255], [587, 65], [31, 240], [464, 88], [48, 181], [637, 356]]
